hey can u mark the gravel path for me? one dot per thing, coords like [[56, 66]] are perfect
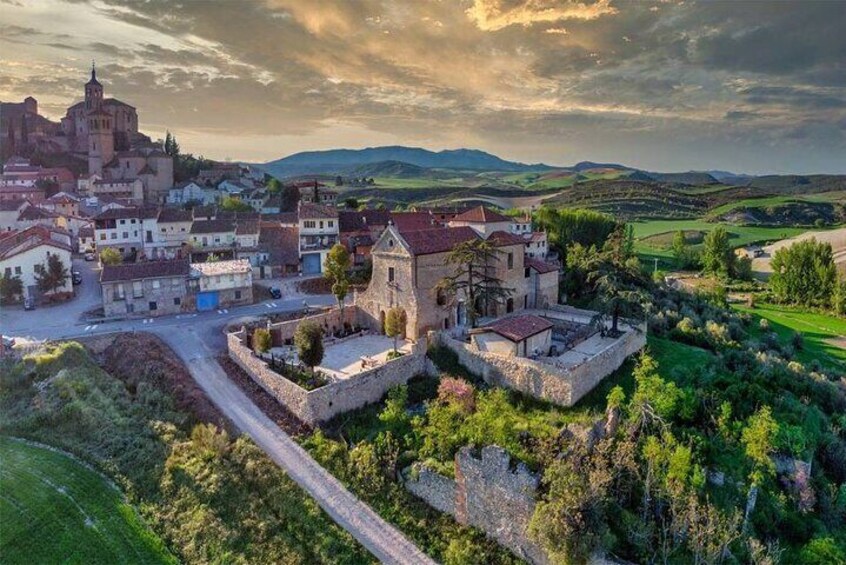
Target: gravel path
[[384, 541]]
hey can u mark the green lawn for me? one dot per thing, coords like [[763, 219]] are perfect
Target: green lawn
[[817, 329], [55, 510]]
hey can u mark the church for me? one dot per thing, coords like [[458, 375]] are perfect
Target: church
[[100, 131]]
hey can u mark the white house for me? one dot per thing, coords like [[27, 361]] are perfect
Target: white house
[[121, 229], [130, 189], [191, 192], [318, 231], [24, 253]]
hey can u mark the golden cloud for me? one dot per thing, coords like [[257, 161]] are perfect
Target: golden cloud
[[493, 15]]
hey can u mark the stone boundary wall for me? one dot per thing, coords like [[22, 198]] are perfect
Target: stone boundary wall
[[330, 321], [320, 405], [486, 493], [558, 385]]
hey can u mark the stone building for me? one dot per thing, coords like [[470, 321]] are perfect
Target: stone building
[[221, 284], [515, 336], [151, 288]]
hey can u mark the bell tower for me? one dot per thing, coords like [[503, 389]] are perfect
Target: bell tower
[[101, 141], [93, 92]]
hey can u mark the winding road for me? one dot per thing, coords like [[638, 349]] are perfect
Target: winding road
[[197, 339]]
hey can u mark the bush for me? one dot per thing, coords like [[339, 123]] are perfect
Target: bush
[[262, 340]]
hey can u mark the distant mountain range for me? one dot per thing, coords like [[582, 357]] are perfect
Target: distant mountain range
[[407, 162], [344, 160]]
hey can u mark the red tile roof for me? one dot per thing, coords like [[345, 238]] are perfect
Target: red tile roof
[[311, 211], [437, 240], [538, 265], [481, 215], [518, 328], [16, 242], [354, 220], [145, 270], [413, 221], [504, 238]]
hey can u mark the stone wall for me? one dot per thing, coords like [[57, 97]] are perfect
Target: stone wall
[[558, 385], [486, 493], [322, 404]]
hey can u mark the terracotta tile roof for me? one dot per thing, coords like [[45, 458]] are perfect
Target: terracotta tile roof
[[145, 270], [504, 238], [518, 328], [413, 221], [12, 205], [213, 226], [538, 236], [437, 240], [17, 242], [175, 215], [481, 215], [354, 220], [281, 244], [538, 265], [246, 227], [31, 213], [310, 211]]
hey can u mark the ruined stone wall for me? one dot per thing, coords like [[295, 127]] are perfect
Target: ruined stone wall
[[486, 493], [322, 404], [329, 321], [558, 385]]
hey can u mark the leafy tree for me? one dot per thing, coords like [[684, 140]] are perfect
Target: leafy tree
[[804, 273], [171, 147], [53, 276], [616, 279], [474, 275], [262, 340], [685, 257], [838, 298], [337, 271], [352, 203], [10, 288], [395, 324], [717, 255], [110, 256], [232, 204], [274, 186], [308, 339], [823, 551], [758, 439], [569, 226]]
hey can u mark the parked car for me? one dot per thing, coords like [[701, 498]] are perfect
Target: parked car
[[29, 303], [76, 277], [275, 293], [90, 256]]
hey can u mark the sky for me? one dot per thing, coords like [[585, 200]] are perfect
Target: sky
[[755, 87]]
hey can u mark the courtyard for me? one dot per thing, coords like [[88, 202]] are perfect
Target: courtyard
[[350, 356]]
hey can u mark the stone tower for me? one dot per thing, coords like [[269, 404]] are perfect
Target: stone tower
[[93, 92]]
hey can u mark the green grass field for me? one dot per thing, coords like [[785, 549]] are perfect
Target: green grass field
[[55, 510], [755, 203], [396, 182], [819, 331]]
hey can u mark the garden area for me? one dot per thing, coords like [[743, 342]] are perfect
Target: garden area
[[145, 425]]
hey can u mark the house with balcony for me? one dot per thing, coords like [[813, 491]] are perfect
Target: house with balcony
[[318, 231], [122, 229], [212, 237]]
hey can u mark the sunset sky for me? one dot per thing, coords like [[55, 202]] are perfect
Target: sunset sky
[[743, 86]]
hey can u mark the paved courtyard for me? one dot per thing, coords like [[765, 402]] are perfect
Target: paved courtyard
[[343, 360]]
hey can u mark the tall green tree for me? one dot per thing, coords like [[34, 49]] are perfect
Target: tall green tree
[[717, 256], [804, 273], [337, 267], [395, 324], [274, 186], [290, 198], [308, 339], [110, 256], [475, 276], [232, 204], [52, 276]]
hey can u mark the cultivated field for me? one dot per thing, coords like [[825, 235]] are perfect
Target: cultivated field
[[55, 510]]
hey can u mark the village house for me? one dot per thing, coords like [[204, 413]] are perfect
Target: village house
[[25, 253], [170, 234], [318, 231], [191, 192], [150, 288], [359, 229], [128, 189], [9, 212], [314, 192], [221, 284], [483, 221], [277, 254], [515, 336], [122, 229], [212, 237]]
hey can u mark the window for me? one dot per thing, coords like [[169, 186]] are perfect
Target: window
[[237, 295], [8, 272], [120, 293], [510, 260], [176, 283], [217, 278], [125, 235], [441, 297], [321, 224], [122, 222], [527, 272], [390, 274], [18, 270], [331, 224], [177, 301], [309, 224], [153, 306], [231, 278], [137, 289], [157, 284]]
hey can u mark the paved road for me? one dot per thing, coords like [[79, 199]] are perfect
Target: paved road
[[197, 338], [384, 541]]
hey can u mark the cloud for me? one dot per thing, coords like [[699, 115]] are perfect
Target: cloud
[[493, 15]]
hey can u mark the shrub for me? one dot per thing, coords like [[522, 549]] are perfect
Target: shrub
[[262, 340], [308, 338], [764, 325], [797, 340], [459, 393]]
